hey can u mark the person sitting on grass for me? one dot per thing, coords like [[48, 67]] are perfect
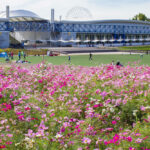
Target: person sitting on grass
[[119, 64], [7, 59], [113, 62], [9, 54]]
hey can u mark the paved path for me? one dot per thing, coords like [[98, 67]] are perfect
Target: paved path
[[70, 50], [102, 53]]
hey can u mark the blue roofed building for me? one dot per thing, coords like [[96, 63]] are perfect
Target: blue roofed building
[[28, 28]]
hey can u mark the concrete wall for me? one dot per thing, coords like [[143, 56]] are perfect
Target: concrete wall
[[4, 39]]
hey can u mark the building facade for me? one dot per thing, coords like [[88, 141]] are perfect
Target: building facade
[[28, 28], [107, 31]]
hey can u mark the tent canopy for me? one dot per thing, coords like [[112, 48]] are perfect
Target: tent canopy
[[3, 54]]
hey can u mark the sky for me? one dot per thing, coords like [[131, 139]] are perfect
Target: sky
[[100, 9]]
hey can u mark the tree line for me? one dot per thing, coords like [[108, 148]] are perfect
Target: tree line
[[141, 17]]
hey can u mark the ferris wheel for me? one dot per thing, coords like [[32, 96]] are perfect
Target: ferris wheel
[[79, 14]]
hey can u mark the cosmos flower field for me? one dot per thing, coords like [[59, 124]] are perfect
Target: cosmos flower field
[[47, 107]]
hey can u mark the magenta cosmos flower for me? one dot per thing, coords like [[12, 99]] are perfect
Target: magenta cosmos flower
[[114, 122]]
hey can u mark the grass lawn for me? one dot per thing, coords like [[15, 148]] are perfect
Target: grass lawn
[[83, 60]]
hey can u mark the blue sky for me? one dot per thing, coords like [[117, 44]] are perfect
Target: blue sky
[[100, 9]]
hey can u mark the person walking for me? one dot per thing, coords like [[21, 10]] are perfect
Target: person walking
[[90, 56], [19, 55], [24, 56], [69, 58], [22, 53], [141, 55]]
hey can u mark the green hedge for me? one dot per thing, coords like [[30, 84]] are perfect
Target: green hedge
[[28, 52], [140, 48]]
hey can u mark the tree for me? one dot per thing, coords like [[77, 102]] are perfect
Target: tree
[[140, 17]]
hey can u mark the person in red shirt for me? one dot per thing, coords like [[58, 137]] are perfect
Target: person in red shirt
[[12, 55]]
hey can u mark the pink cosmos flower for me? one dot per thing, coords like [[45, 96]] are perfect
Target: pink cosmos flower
[[103, 94], [116, 138], [1, 95], [108, 142], [86, 140], [132, 148], [6, 107], [40, 81], [142, 108], [62, 129], [1, 89], [139, 140], [98, 91], [2, 146], [8, 143], [129, 138], [137, 134], [3, 121], [27, 108], [9, 135], [98, 105], [108, 101], [19, 113], [109, 129], [21, 117], [145, 137], [43, 116], [95, 106], [77, 126], [52, 114]]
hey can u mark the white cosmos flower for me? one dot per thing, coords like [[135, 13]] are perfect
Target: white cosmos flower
[[58, 136]]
